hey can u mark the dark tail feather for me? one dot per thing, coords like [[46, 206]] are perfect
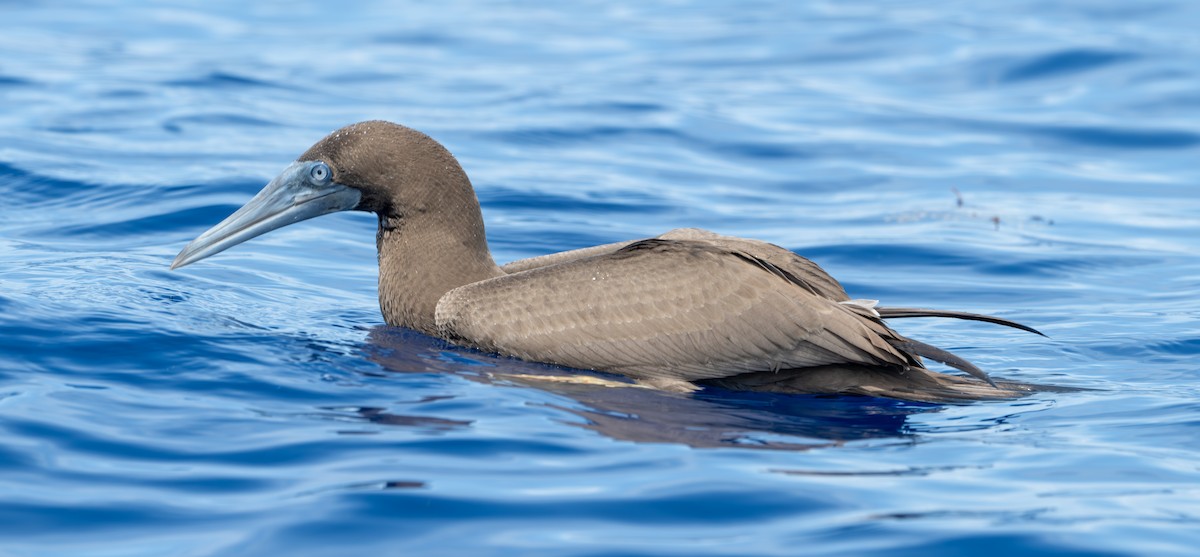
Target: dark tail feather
[[911, 383], [893, 313], [938, 355]]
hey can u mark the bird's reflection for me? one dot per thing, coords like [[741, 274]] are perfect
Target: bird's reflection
[[611, 406]]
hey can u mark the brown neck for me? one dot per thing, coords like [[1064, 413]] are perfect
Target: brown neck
[[426, 254]]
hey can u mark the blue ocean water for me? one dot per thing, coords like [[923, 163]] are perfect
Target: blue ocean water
[[1034, 160]]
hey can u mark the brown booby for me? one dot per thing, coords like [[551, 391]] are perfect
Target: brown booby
[[687, 308]]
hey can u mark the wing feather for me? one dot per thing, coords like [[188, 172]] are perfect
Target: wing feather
[[667, 309], [786, 261]]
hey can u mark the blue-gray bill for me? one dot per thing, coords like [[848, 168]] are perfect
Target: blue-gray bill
[[299, 193]]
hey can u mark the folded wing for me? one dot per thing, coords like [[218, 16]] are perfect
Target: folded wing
[[665, 310]]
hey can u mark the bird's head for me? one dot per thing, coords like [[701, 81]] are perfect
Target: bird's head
[[375, 166]]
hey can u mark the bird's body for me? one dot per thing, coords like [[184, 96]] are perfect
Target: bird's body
[[667, 310], [685, 308]]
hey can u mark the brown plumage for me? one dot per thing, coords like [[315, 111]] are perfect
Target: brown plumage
[[685, 308]]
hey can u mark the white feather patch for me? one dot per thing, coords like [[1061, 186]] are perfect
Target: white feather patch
[[868, 305]]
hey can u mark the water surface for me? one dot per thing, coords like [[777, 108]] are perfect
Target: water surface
[[1028, 159]]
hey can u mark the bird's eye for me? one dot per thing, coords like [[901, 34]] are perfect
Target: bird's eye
[[320, 173]]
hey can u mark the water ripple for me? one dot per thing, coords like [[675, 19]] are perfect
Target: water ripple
[[1030, 160], [1064, 63]]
